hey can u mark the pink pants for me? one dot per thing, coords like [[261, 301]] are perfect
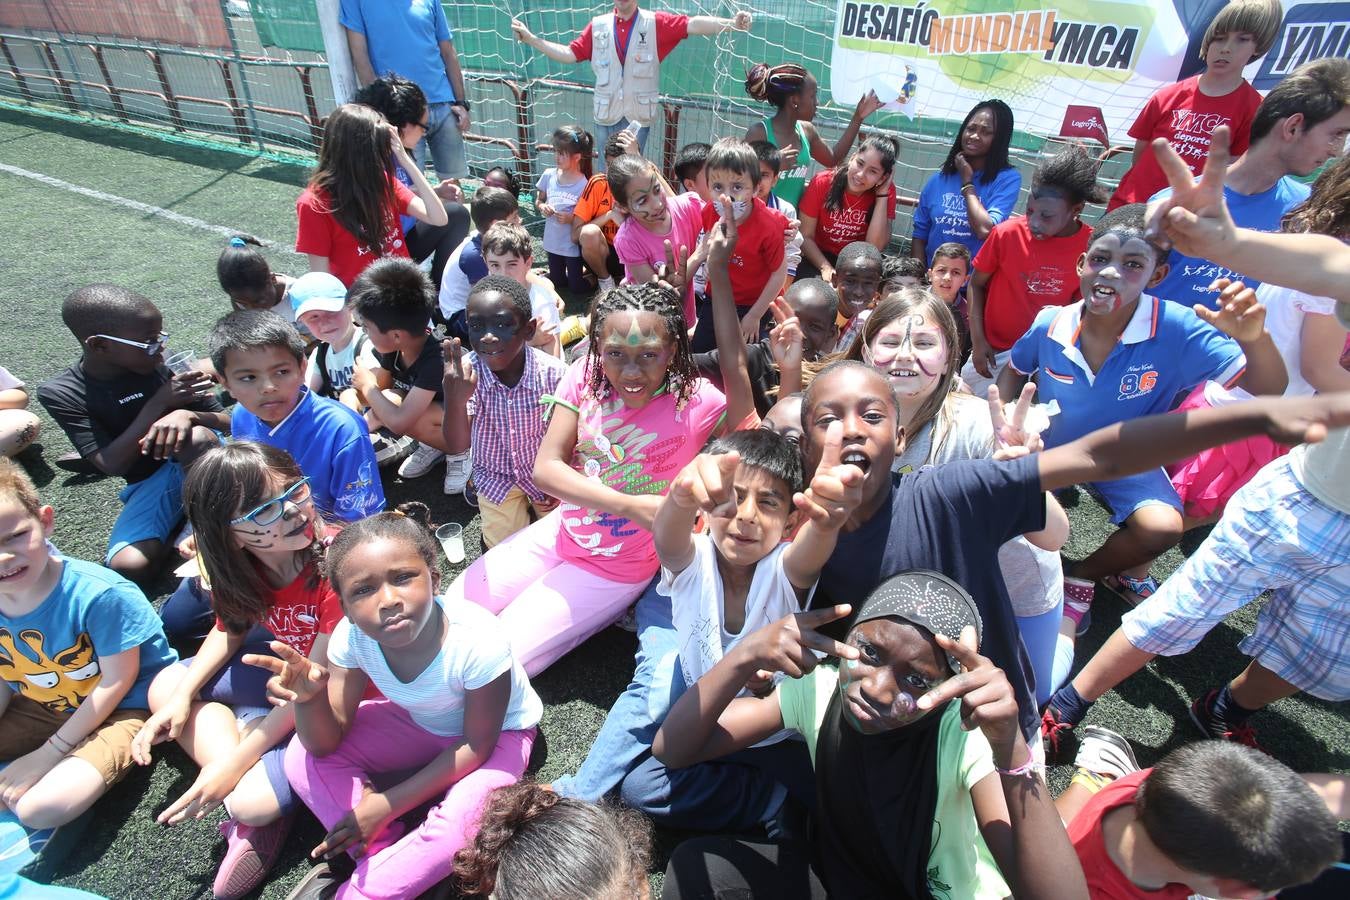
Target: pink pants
[[547, 606], [384, 739]]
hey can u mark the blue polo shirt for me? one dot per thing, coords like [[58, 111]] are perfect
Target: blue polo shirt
[[1189, 277], [332, 445], [941, 214], [404, 37], [1165, 350]]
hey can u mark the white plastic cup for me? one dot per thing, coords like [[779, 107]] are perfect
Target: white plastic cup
[[451, 536], [182, 362]]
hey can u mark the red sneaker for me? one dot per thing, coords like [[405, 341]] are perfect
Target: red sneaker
[[1202, 714]]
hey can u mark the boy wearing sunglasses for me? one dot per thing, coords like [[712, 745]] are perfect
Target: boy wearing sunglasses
[[127, 415], [261, 359]]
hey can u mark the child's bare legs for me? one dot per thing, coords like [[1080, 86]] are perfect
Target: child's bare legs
[[350, 399], [1148, 532], [1258, 687], [62, 795], [595, 249], [18, 430]]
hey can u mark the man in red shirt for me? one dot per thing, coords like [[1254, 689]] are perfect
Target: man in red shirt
[[625, 49]]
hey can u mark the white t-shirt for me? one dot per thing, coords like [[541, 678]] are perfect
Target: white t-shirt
[[454, 295], [1324, 469], [474, 654], [563, 198], [7, 381], [544, 307], [1285, 311], [341, 363], [1035, 577]]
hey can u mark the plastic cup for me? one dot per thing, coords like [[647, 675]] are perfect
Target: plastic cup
[[451, 536], [182, 362]]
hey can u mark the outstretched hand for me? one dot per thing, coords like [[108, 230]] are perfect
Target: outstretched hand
[[987, 698], [787, 344], [460, 379], [1240, 315], [1012, 437], [673, 273], [706, 483], [1194, 218], [836, 488], [295, 678], [1305, 420], [790, 644]]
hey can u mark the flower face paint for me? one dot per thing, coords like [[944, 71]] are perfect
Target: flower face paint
[[912, 353], [1113, 273], [647, 203], [897, 664], [635, 350]]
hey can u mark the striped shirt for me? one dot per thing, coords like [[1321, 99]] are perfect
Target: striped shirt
[[1275, 536], [509, 425]]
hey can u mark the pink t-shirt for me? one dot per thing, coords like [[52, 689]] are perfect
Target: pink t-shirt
[[635, 451], [638, 246]]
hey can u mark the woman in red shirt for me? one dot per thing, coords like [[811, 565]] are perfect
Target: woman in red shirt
[[349, 211], [843, 206]]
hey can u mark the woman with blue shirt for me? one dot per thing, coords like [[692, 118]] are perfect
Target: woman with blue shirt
[[976, 189]]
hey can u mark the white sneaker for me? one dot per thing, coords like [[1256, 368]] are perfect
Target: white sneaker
[[606, 283], [1103, 752], [422, 461], [457, 470]]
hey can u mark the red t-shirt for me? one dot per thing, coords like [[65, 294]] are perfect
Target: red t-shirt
[[320, 234], [300, 611], [1104, 879], [835, 230], [1187, 118], [759, 249], [1026, 276], [670, 30]]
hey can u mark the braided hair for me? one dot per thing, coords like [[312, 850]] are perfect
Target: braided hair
[[653, 298]]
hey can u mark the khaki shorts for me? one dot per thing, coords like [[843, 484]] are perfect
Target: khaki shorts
[[501, 520], [26, 725]]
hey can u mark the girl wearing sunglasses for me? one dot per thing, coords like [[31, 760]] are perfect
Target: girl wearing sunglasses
[[259, 544]]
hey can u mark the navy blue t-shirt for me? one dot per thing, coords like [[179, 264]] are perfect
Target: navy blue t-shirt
[[951, 519]]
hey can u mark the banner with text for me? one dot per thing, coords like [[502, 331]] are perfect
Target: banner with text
[[1074, 67]]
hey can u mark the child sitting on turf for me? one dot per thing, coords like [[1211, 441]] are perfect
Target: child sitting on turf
[[79, 646], [18, 427], [1028, 262], [596, 220], [246, 276], [455, 720], [493, 401], [508, 252], [857, 278], [466, 265], [128, 415], [947, 277], [1210, 819], [393, 300], [759, 264], [770, 164], [262, 363], [726, 583], [319, 302], [260, 545], [654, 220], [899, 272], [1120, 353], [690, 171]]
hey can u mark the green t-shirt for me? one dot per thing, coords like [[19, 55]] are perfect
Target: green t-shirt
[[960, 865]]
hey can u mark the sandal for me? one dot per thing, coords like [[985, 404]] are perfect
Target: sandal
[[1132, 590]]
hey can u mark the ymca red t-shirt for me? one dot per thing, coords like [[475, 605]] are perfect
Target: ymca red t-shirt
[[1187, 118], [320, 234], [302, 610], [670, 30], [759, 249], [1026, 275], [1104, 879], [836, 229]]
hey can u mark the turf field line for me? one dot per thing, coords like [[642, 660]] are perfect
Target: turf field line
[[138, 206]]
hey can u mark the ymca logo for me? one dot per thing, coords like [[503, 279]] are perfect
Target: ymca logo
[[1136, 384]]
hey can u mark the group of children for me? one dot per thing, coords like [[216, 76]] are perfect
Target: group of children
[[839, 544]]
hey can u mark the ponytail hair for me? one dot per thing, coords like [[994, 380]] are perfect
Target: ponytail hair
[[239, 476], [885, 147], [241, 268], [533, 844], [575, 139], [775, 84], [409, 523]]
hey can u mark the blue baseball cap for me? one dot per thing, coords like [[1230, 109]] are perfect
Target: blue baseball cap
[[317, 291]]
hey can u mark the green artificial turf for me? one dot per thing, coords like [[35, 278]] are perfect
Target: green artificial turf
[[55, 241]]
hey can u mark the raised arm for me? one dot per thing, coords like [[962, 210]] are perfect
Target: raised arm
[[731, 355], [703, 26], [829, 157], [555, 52], [879, 226], [835, 492]]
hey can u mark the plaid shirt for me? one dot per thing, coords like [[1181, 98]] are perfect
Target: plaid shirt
[[1277, 537], [509, 425]]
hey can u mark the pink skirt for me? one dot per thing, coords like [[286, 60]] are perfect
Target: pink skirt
[[1206, 481]]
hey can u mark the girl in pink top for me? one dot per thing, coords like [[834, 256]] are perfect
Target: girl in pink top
[[625, 419], [655, 219]]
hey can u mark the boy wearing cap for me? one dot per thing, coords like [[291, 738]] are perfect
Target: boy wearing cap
[[319, 302]]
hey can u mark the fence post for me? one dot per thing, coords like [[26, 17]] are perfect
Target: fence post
[[243, 77]]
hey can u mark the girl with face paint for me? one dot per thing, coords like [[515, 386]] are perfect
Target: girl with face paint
[[259, 546], [925, 785], [909, 338]]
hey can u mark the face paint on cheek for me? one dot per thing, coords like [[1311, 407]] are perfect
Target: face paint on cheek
[[909, 339]]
